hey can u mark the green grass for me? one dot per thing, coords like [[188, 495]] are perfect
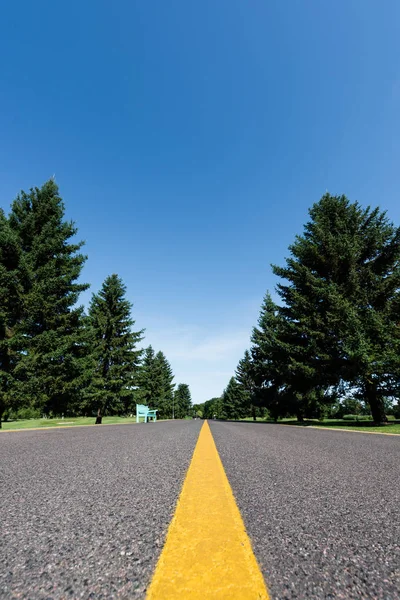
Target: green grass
[[335, 423], [350, 425], [67, 422]]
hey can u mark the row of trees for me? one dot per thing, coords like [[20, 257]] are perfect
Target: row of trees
[[55, 358], [335, 331]]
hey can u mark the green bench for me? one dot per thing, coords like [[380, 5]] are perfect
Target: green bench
[[146, 412]]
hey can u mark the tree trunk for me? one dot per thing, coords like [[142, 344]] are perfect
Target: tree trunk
[[375, 403], [300, 416], [253, 412], [99, 417]]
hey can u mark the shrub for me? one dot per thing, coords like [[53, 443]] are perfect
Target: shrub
[[357, 418], [27, 413]]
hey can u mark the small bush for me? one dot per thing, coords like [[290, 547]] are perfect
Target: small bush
[[27, 413], [357, 418]]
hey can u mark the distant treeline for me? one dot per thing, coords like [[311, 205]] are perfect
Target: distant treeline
[[54, 357], [332, 342]]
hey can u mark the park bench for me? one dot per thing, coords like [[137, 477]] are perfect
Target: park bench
[[146, 412]]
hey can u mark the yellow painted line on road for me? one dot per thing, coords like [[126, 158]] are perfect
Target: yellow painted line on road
[[207, 553]]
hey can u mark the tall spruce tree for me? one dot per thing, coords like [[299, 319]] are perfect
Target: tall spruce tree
[[155, 387], [234, 401], [341, 302], [244, 375], [182, 401], [114, 350], [271, 368], [49, 366], [11, 304], [166, 394], [149, 381]]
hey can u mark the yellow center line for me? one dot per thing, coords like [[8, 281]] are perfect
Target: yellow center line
[[207, 553]]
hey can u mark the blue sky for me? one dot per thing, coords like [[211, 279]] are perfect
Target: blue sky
[[189, 140]]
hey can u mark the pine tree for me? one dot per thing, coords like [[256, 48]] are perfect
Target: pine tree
[[244, 375], [155, 387], [11, 299], [234, 400], [166, 394], [114, 349], [149, 381], [271, 365], [182, 401], [341, 302], [49, 365]]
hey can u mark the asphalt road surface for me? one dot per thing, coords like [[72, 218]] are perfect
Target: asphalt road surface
[[322, 508], [84, 511]]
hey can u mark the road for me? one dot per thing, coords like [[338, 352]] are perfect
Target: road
[[84, 511]]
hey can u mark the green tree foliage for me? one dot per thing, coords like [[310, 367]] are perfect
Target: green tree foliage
[[271, 371], [234, 400], [337, 326], [213, 409], [49, 328], [11, 298], [166, 392], [155, 387], [245, 377], [341, 300], [114, 353], [148, 380], [182, 401]]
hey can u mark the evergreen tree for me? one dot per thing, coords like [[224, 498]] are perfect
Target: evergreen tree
[[114, 349], [271, 367], [50, 332], [155, 387], [182, 401], [245, 377], [234, 400], [11, 298], [341, 303], [148, 381], [166, 394]]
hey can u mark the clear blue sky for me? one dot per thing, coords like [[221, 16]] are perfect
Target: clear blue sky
[[189, 138]]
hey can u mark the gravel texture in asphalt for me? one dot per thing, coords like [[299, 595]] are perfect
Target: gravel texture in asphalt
[[322, 508], [84, 511]]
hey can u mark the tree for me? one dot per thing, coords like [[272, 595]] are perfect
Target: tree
[[114, 349], [213, 408], [11, 288], [166, 393], [155, 387], [148, 380], [234, 400], [245, 377], [49, 364], [341, 302], [182, 401], [271, 366]]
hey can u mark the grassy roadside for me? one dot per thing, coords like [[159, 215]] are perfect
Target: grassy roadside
[[67, 422], [366, 426]]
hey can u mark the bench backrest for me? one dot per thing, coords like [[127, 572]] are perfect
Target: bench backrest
[[141, 408]]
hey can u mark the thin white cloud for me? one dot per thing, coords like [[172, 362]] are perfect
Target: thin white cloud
[[204, 361]]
